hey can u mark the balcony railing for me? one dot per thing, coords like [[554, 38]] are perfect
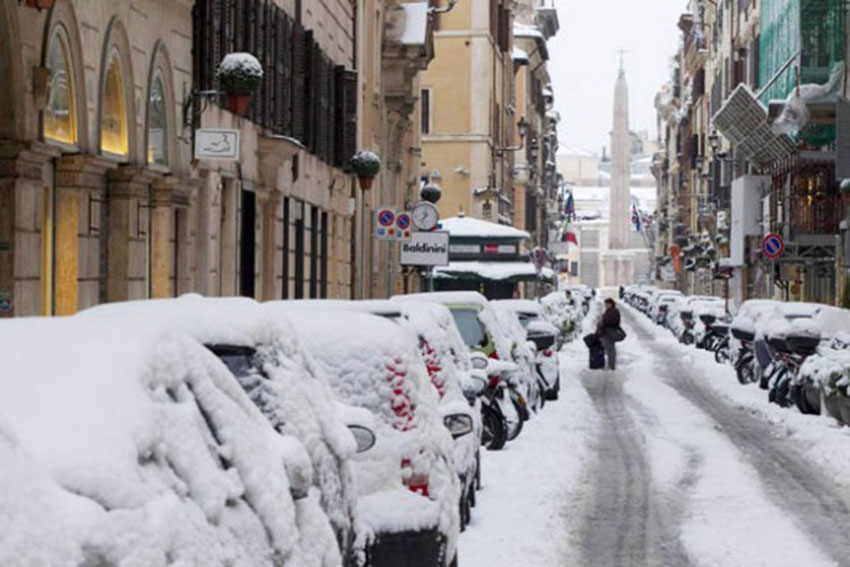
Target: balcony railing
[[817, 215]]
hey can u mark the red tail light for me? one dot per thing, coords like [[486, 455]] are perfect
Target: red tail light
[[494, 355], [548, 352], [417, 483], [494, 381]]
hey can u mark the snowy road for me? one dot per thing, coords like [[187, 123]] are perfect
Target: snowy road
[[665, 462]]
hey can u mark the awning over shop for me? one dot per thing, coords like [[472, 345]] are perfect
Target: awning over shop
[[495, 271]]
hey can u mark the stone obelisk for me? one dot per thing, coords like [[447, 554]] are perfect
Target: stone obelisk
[[619, 228], [619, 265]]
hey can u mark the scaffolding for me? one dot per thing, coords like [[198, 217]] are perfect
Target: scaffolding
[[799, 36]]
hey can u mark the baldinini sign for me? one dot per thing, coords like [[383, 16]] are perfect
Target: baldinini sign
[[426, 249]]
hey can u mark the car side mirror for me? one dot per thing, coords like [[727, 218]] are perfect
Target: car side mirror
[[458, 424], [363, 437]]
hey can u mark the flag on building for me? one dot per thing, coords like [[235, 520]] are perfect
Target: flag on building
[[568, 235]]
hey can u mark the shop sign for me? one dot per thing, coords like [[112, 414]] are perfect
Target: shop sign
[[426, 249], [217, 143]]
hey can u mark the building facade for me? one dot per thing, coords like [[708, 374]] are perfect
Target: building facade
[[102, 197]]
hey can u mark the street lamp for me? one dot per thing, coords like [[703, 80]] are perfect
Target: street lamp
[[522, 127]]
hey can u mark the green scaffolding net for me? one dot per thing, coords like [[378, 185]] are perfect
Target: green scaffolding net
[[808, 35]]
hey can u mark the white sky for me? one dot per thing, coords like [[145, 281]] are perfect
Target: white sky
[[584, 61]]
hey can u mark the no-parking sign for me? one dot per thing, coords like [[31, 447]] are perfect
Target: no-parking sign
[[773, 246], [385, 219]]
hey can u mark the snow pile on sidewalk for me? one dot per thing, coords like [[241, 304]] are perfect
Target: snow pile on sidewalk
[[564, 314], [531, 487]]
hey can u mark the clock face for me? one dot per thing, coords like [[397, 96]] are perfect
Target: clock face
[[425, 216]]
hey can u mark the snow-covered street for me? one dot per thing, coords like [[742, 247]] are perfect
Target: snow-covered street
[[667, 461]]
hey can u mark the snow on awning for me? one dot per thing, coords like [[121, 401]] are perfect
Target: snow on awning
[[519, 56], [497, 271], [743, 121], [472, 227], [532, 32]]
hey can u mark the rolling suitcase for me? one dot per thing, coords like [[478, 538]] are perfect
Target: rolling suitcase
[[597, 357], [597, 351]]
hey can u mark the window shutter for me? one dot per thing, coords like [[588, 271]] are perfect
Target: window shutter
[[287, 80], [225, 31], [214, 24], [299, 82], [330, 112], [277, 79], [269, 64], [309, 92], [240, 14], [349, 134], [339, 116]]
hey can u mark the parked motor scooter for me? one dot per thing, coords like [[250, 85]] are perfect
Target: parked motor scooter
[[500, 418]]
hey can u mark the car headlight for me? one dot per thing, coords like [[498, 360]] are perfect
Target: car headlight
[[479, 362]]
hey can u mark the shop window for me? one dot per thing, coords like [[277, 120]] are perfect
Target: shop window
[[157, 122], [113, 114], [59, 113]]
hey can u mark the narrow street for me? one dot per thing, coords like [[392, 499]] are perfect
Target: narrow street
[[674, 471]]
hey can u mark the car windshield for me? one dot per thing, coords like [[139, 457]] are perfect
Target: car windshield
[[526, 318], [470, 327], [239, 360]]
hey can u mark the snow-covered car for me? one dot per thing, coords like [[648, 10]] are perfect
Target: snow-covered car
[[661, 302], [447, 361], [408, 488], [490, 331], [262, 353], [146, 452], [544, 335]]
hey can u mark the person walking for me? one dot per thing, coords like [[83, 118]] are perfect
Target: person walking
[[610, 332]]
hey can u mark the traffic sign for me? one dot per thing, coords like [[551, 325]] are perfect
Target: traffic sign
[[386, 219], [773, 246], [402, 225]]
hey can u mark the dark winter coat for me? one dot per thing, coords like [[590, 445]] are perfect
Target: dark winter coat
[[610, 320]]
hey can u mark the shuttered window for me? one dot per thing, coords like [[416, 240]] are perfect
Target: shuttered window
[[302, 94]]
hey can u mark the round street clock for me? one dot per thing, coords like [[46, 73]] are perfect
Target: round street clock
[[425, 216]]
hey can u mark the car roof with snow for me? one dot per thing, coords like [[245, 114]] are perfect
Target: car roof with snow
[[211, 320], [521, 305], [446, 297], [145, 414]]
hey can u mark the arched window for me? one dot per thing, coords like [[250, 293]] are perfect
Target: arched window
[[60, 120], [157, 122], [113, 113]]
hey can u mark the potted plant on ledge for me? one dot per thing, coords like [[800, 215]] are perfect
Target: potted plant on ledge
[[365, 165], [239, 75]]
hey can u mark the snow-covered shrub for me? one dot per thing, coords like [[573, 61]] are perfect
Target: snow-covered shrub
[[239, 72], [566, 315], [365, 164]]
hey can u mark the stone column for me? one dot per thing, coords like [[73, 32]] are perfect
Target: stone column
[[164, 241], [22, 261], [128, 258], [80, 189], [269, 203]]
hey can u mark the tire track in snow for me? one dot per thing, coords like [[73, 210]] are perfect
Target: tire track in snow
[[623, 526], [798, 488]]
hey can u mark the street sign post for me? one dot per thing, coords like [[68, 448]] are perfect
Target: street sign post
[[773, 246], [402, 225]]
